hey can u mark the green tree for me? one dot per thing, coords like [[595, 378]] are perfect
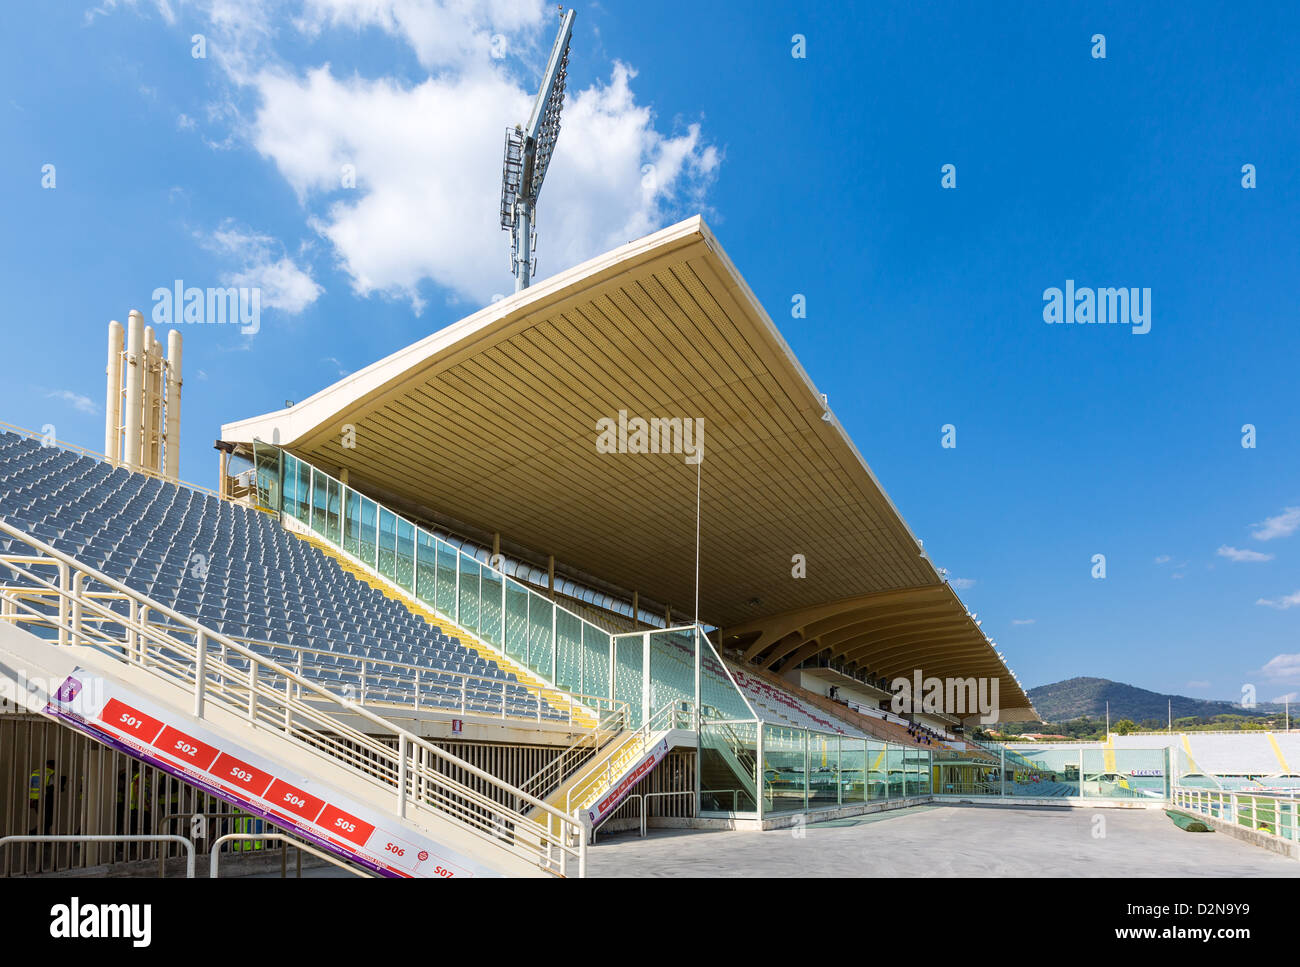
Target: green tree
[[1124, 727]]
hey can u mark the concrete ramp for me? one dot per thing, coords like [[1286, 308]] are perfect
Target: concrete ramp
[[332, 803]]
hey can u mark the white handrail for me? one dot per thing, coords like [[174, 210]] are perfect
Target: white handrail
[[603, 767], [368, 664], [206, 664]]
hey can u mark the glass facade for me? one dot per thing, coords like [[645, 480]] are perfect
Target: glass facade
[[548, 638], [1062, 770], [746, 767]]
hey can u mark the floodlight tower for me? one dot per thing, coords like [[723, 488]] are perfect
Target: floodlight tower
[[527, 155]]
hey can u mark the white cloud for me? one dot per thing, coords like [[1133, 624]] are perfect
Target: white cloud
[[337, 365], [284, 285], [82, 404], [108, 6], [428, 174], [1235, 554], [1283, 667], [1023, 621], [427, 154], [1282, 525], [440, 32], [1283, 603], [962, 584], [1163, 559]]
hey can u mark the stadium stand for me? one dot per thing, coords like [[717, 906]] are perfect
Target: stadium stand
[[1229, 755], [240, 573]]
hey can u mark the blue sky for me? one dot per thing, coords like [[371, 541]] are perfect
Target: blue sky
[[821, 176]]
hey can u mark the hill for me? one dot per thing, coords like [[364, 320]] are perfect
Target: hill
[[1077, 697]]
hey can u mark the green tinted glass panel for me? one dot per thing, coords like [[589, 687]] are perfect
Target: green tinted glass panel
[[387, 544], [489, 620], [270, 480], [784, 776], [405, 554], [672, 668], [595, 661], [516, 620], [897, 780], [823, 770], [568, 650], [366, 536], [426, 568], [447, 579], [352, 524], [877, 771], [628, 665], [334, 511], [468, 604], [541, 649], [719, 696], [319, 497], [853, 766], [728, 767]]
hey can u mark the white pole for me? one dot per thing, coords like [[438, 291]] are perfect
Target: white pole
[[148, 415], [134, 387], [113, 394], [699, 471]]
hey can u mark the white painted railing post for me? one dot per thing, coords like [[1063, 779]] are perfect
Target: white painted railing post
[[200, 672], [252, 691], [363, 681], [78, 585], [402, 752], [65, 589]]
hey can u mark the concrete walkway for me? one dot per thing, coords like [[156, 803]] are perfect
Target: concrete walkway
[[936, 840]]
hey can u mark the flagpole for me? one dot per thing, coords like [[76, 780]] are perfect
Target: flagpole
[[699, 472]]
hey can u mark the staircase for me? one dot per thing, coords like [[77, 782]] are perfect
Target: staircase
[[218, 715], [574, 711], [599, 782], [733, 770]]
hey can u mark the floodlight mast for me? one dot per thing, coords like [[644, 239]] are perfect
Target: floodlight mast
[[528, 153]]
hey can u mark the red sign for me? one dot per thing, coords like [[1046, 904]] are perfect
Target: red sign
[[457, 725], [294, 800], [187, 748], [126, 719], [241, 774], [343, 824]]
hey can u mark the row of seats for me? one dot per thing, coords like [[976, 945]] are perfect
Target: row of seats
[[238, 572], [779, 707]]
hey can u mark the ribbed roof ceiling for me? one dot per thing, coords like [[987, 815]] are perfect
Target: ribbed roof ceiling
[[493, 422]]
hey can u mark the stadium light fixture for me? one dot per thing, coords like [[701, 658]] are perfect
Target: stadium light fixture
[[528, 153]]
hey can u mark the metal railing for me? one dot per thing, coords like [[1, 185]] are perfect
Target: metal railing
[[81, 838], [1275, 813], [214, 864], [563, 767], [490, 697], [275, 699], [607, 767]]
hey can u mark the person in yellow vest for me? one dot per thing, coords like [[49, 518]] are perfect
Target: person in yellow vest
[[40, 785], [245, 823]]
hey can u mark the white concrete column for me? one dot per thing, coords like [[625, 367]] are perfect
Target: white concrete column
[[113, 394], [132, 411]]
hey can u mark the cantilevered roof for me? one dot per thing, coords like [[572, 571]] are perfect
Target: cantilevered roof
[[493, 422]]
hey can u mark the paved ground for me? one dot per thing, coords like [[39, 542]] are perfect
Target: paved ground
[[936, 840]]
